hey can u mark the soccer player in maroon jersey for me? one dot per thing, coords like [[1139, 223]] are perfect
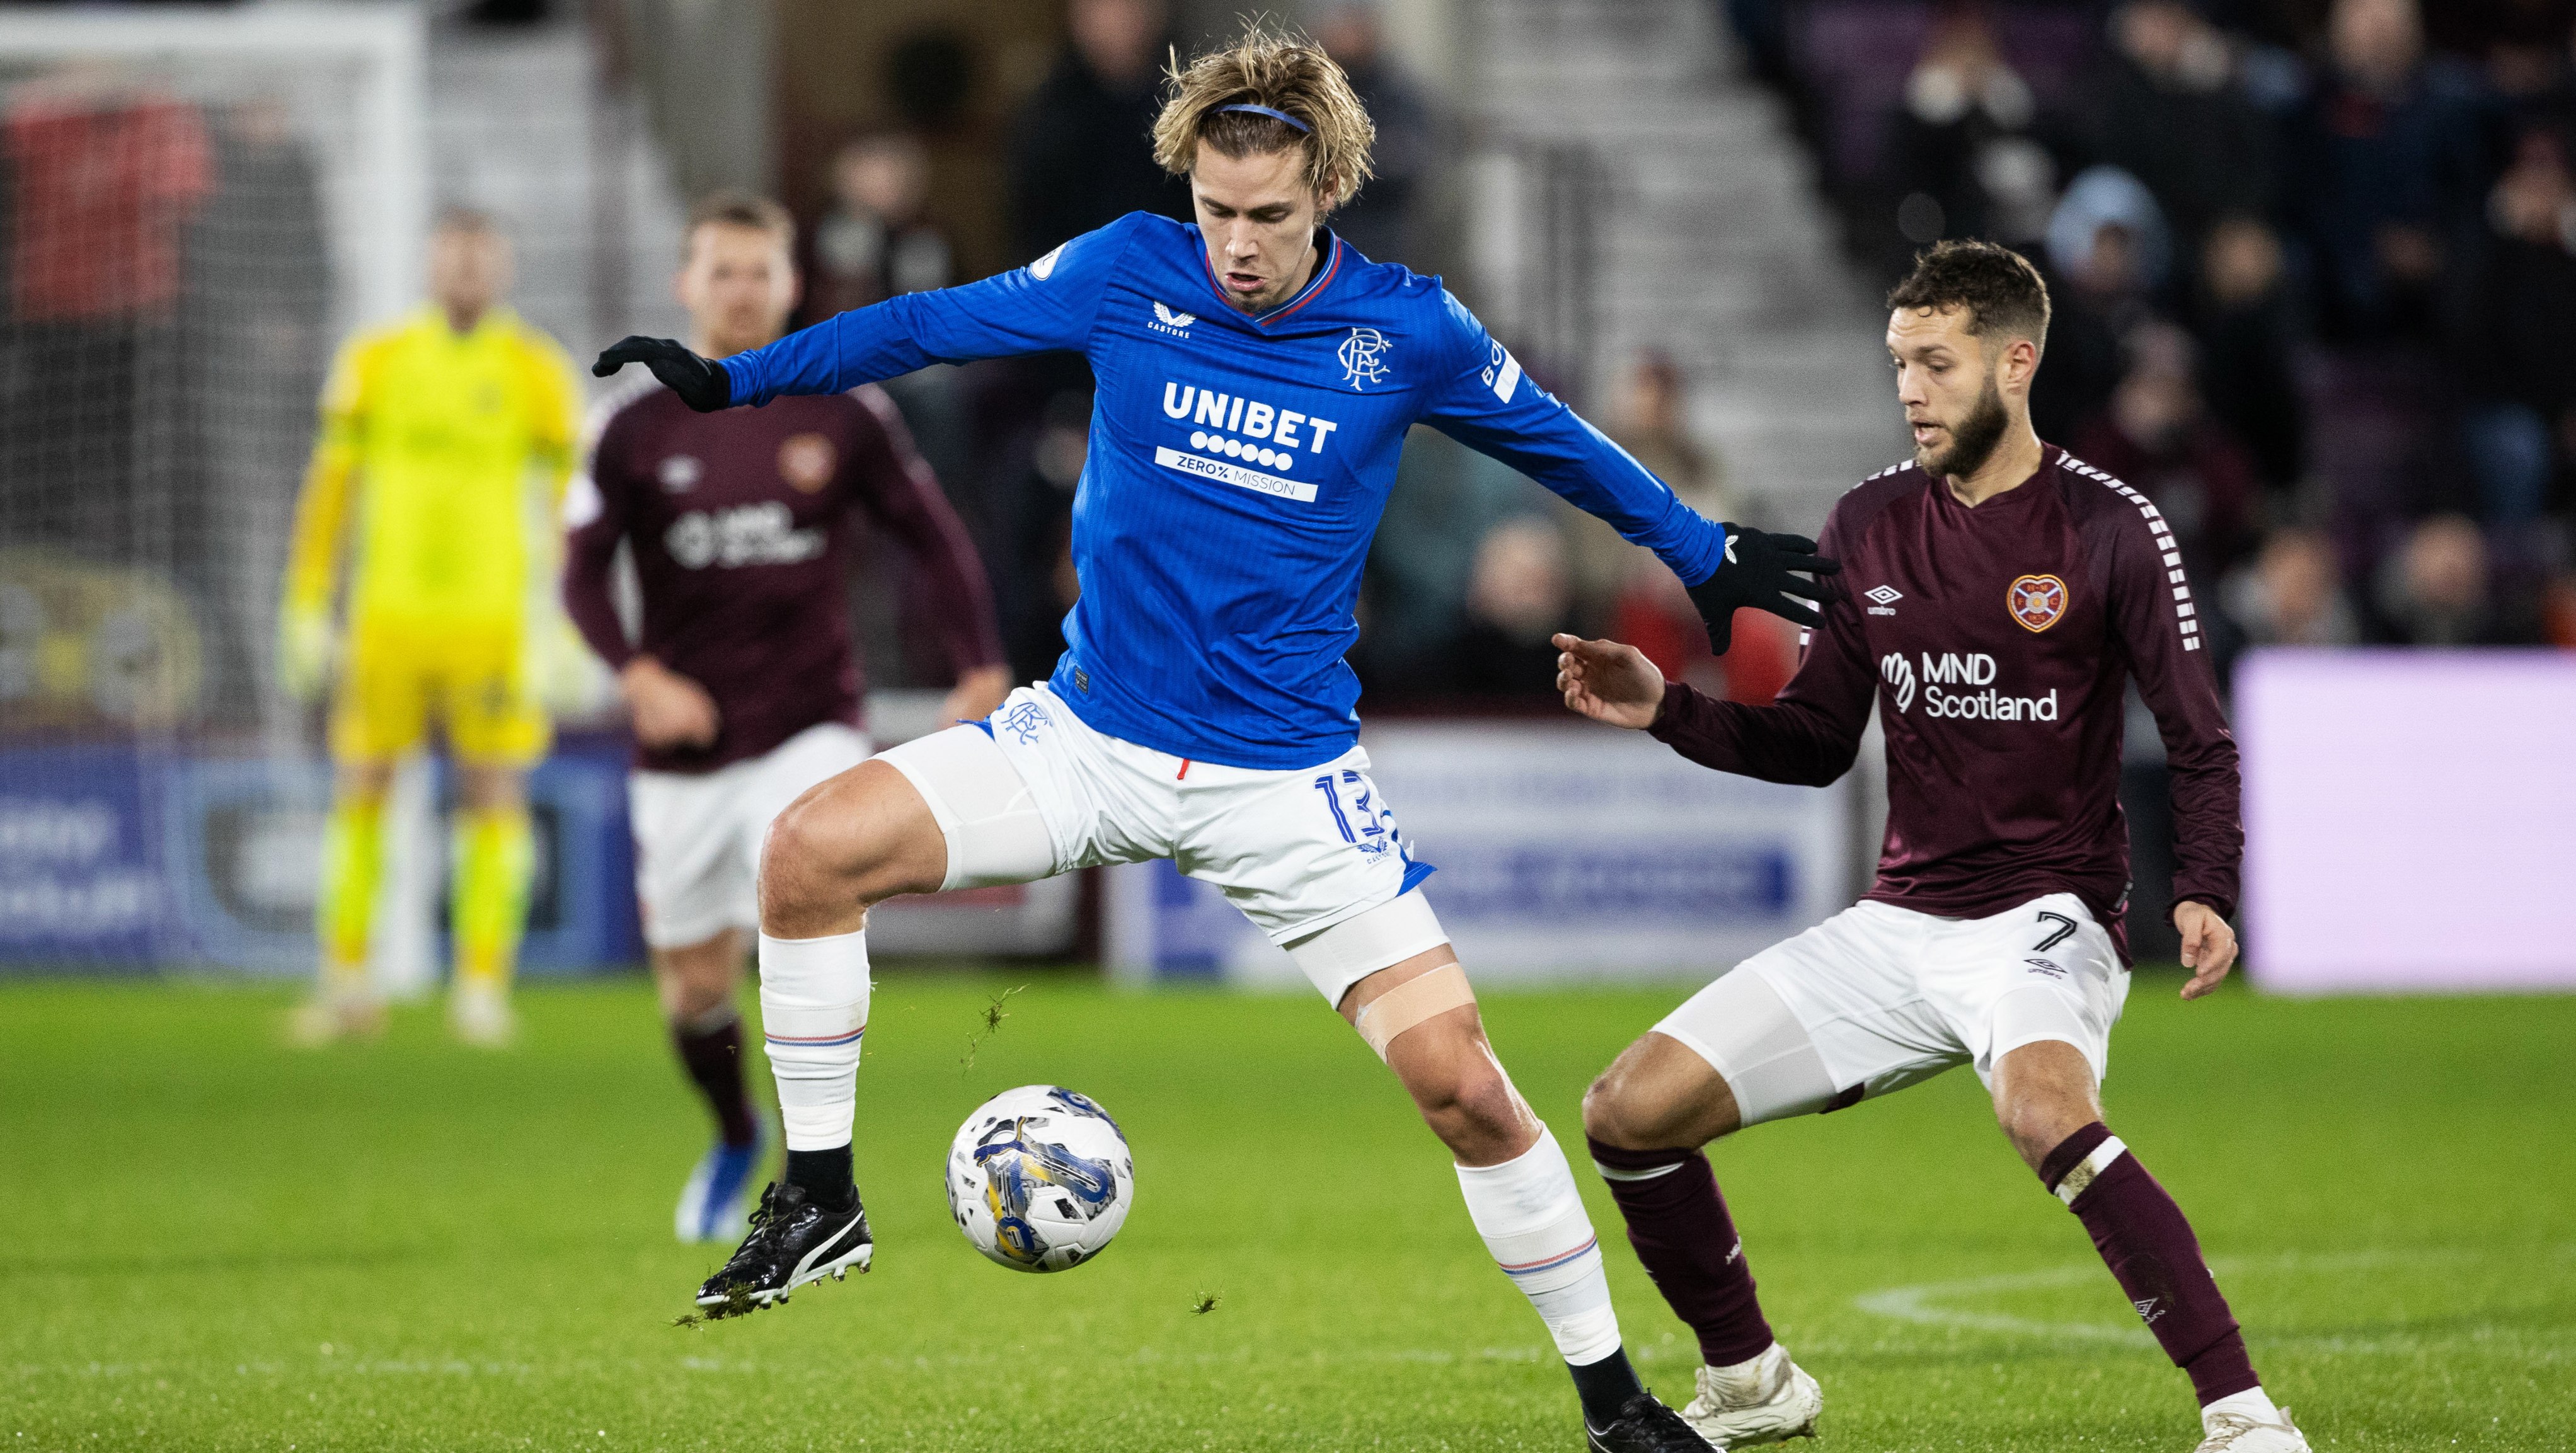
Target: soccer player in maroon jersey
[[743, 685], [2002, 594]]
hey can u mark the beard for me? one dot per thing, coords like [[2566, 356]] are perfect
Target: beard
[[1972, 439]]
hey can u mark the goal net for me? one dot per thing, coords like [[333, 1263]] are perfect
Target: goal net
[[194, 206]]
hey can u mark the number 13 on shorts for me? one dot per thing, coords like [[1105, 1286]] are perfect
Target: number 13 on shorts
[[1351, 797]]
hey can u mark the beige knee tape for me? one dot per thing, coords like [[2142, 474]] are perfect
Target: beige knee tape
[[1408, 1004]]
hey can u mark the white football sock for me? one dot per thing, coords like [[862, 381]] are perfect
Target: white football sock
[[2252, 1403], [813, 1010], [1532, 1219]]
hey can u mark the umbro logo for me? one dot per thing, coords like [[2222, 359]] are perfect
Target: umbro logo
[[1167, 321], [2148, 1308], [1883, 600]]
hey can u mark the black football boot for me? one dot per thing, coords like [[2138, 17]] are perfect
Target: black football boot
[[793, 1241], [1644, 1426]]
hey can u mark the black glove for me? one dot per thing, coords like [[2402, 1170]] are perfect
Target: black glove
[[1764, 572], [700, 382]]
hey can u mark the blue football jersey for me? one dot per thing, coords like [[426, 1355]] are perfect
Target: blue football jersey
[[1238, 467]]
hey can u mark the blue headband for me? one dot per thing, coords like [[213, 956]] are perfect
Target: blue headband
[[1273, 115]]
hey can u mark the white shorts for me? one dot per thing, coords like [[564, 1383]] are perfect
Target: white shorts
[[1031, 791], [698, 835], [1877, 998]]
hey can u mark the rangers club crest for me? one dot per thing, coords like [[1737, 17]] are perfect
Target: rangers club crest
[[1363, 357], [2036, 601]]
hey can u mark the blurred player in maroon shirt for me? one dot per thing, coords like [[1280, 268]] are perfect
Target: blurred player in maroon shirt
[[744, 687], [2002, 595]]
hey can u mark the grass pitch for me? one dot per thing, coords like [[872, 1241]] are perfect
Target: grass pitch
[[212, 1242]]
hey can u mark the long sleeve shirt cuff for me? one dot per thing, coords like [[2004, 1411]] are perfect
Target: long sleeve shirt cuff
[[1680, 716]]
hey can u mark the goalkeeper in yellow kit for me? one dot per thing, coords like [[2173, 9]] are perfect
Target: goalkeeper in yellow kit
[[446, 442]]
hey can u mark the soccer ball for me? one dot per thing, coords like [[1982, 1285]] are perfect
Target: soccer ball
[[1039, 1178]]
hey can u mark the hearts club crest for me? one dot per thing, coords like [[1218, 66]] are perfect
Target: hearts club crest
[[807, 461], [2036, 601]]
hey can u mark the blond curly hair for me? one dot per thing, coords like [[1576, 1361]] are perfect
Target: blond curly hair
[[1285, 72]]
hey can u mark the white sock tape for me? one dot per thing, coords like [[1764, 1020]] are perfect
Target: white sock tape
[[813, 1014], [1609, 1173], [2088, 1169], [1531, 1217]]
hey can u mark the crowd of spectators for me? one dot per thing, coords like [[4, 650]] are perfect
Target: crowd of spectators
[[2313, 268]]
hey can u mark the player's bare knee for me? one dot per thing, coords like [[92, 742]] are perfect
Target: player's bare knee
[[688, 998], [2038, 1119], [2043, 1092], [1616, 1114], [1607, 1117], [363, 782], [1454, 1079], [807, 869], [492, 788], [1624, 1107], [860, 838], [695, 981]]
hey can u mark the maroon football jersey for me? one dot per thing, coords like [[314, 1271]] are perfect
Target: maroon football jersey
[[743, 524], [1997, 642]]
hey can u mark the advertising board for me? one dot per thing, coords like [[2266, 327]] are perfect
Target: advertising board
[[135, 858], [1565, 851], [2408, 817]]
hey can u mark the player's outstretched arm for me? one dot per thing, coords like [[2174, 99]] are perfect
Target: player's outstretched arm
[[700, 382], [1781, 574], [2208, 946], [1808, 736], [1049, 304], [1609, 682], [1485, 402]]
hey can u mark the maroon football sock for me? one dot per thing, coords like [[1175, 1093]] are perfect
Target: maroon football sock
[[713, 1058], [2149, 1247], [1679, 1225]]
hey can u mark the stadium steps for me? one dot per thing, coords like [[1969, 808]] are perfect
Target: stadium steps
[[1715, 245], [521, 123]]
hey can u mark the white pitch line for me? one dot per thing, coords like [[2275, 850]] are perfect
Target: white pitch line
[[1915, 1304], [1918, 1304]]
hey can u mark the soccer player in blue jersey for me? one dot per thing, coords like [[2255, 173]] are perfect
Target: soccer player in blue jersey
[[1256, 379]]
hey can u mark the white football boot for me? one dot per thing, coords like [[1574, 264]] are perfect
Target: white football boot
[[334, 1014], [2234, 1432], [1765, 1400], [481, 1016]]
